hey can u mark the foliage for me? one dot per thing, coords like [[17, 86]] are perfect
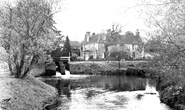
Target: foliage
[[75, 47], [28, 33], [91, 57], [67, 48], [56, 53], [74, 57], [168, 19], [153, 45]]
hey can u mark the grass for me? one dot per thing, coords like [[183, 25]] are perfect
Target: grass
[[24, 94], [105, 65]]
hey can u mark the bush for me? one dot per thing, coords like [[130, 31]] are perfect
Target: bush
[[172, 89], [80, 59], [91, 57], [74, 57]]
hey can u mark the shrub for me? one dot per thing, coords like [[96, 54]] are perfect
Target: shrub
[[74, 57]]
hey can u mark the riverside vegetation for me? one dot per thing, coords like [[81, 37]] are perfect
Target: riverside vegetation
[[27, 35]]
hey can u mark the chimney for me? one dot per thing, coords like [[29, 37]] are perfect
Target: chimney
[[87, 36], [137, 32]]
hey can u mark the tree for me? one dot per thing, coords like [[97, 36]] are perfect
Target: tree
[[153, 45], [28, 33], [168, 19], [113, 37], [67, 48], [57, 52], [118, 53], [75, 47]]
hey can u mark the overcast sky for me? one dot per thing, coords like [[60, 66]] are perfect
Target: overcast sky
[[79, 16]]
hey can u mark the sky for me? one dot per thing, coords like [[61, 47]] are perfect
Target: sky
[[76, 17]]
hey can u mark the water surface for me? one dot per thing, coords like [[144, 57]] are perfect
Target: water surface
[[84, 92]]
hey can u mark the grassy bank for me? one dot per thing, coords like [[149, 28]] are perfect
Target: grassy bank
[[137, 68], [24, 94]]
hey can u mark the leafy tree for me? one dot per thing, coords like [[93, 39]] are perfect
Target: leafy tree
[[67, 48], [56, 53], [75, 47], [28, 33]]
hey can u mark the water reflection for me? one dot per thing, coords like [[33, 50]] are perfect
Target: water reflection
[[111, 83], [106, 93]]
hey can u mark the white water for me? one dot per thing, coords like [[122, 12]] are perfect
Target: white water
[[66, 76]]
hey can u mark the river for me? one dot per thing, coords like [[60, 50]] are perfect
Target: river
[[94, 92]]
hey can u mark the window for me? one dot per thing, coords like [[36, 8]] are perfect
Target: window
[[132, 46], [133, 54]]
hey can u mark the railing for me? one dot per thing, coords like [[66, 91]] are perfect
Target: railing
[[65, 58]]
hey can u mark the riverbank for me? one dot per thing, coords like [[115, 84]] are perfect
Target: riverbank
[[172, 90], [24, 94], [136, 68], [171, 86]]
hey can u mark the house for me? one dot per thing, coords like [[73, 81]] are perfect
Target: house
[[134, 44], [93, 45]]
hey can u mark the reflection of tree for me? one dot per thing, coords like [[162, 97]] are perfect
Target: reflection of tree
[[58, 86], [63, 87], [107, 86], [66, 88]]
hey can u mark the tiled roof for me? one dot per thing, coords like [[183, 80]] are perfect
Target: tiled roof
[[94, 39], [125, 39], [131, 39]]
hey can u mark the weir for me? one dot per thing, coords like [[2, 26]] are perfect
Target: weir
[[62, 64]]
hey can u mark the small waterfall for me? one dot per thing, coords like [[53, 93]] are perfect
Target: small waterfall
[[67, 74]]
